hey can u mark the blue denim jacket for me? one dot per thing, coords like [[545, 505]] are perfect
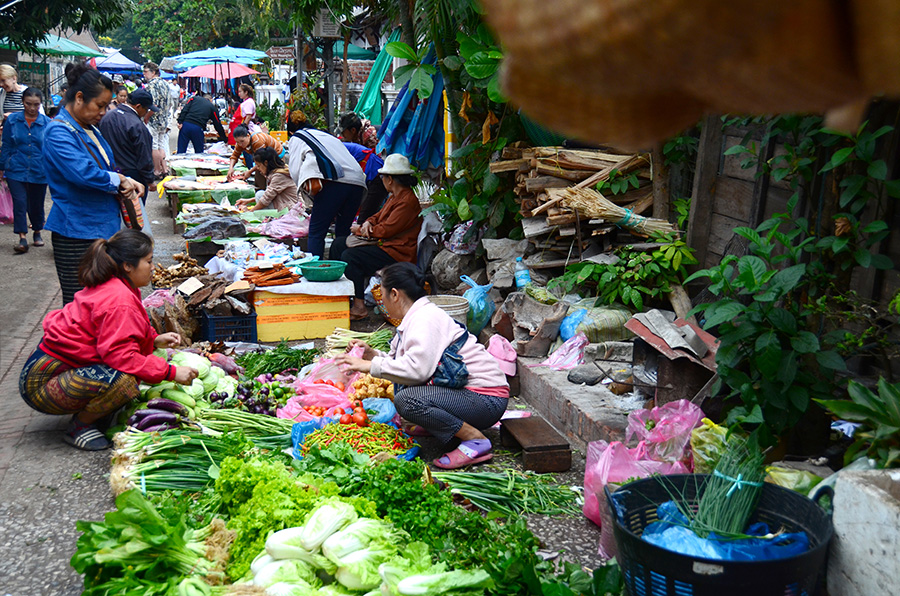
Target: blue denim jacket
[[21, 157], [83, 193]]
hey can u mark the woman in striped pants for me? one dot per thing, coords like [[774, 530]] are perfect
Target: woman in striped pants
[[80, 169]]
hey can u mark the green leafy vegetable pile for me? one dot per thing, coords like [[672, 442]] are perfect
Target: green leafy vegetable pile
[[280, 358]]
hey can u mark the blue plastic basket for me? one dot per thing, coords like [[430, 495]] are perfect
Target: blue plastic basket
[[240, 328]]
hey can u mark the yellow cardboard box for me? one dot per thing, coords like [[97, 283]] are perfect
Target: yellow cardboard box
[[298, 316], [281, 135]]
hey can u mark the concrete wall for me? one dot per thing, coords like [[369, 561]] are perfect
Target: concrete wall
[[865, 552]]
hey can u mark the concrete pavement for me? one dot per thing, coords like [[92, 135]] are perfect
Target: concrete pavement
[[45, 485]]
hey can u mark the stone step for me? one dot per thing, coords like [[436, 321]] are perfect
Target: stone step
[[581, 413]]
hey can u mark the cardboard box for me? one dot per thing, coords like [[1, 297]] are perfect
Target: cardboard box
[[298, 316]]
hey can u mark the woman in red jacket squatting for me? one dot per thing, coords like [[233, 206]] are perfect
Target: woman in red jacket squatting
[[96, 349]]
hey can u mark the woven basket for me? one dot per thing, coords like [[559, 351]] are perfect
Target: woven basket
[[379, 303]]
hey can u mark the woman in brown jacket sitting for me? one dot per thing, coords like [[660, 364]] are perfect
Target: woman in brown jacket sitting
[[281, 190], [390, 236]]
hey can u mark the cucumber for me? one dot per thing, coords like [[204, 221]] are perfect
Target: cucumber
[[179, 396]]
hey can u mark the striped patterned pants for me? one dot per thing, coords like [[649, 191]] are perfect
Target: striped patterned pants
[[53, 387], [67, 254], [442, 410]]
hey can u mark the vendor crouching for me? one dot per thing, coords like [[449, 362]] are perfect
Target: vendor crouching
[[432, 389], [97, 348]]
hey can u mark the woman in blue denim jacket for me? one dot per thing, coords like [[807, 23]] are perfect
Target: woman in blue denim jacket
[[22, 163], [82, 175]]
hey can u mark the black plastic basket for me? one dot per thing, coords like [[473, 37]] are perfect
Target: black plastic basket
[[653, 571], [240, 328]]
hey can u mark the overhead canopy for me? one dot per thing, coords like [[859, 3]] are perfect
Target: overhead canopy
[[117, 62], [57, 46], [192, 62], [231, 70], [353, 52]]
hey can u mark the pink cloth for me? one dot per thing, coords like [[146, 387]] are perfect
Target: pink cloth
[[423, 335]]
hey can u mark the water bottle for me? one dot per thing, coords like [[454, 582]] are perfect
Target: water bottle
[[523, 277]]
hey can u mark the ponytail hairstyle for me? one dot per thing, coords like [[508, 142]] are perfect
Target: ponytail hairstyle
[[405, 277], [106, 259], [89, 81], [248, 90], [268, 156]]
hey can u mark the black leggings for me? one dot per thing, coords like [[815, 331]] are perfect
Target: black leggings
[[442, 410], [362, 262]]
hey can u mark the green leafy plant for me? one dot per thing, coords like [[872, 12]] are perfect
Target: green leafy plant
[[618, 183], [636, 276], [879, 436], [417, 73], [273, 115], [480, 58], [682, 208]]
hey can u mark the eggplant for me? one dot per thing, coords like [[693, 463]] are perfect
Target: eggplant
[[139, 415], [160, 427], [161, 403], [156, 418]]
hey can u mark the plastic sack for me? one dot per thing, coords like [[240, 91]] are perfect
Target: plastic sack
[[314, 394], [481, 307], [599, 323], [707, 445], [800, 481], [327, 370], [159, 298], [463, 239], [569, 355], [672, 534], [384, 409], [6, 203], [614, 464], [665, 430]]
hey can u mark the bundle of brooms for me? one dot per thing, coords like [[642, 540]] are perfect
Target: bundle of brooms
[[591, 204]]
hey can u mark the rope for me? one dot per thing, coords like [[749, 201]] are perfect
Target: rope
[[737, 483]]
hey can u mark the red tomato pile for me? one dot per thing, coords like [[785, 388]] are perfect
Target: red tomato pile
[[336, 384], [355, 416]]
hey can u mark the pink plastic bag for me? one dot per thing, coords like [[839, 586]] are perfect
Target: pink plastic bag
[[666, 430], [613, 464], [326, 370], [569, 355], [6, 204], [313, 394]]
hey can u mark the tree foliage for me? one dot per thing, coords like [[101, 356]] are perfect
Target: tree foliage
[[167, 27], [27, 22]]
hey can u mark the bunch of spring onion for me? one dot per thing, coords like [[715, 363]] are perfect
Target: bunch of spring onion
[[337, 342], [253, 425], [174, 459], [732, 491], [512, 492]]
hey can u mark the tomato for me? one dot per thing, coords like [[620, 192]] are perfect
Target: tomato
[[346, 419], [360, 419], [339, 411], [339, 385], [359, 409]]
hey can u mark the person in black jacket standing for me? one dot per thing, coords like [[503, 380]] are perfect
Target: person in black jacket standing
[[192, 122], [129, 138]]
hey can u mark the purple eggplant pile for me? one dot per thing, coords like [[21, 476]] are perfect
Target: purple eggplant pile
[[160, 414]]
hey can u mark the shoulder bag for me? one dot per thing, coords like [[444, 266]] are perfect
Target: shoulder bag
[[129, 202], [451, 370]]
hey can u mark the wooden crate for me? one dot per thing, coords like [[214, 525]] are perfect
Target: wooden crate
[[543, 448]]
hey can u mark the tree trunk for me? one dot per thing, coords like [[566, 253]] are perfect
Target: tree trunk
[[346, 74], [407, 30]]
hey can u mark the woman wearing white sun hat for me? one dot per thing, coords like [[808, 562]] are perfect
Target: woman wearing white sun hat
[[387, 237]]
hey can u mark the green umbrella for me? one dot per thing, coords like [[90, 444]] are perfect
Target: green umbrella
[[56, 45]]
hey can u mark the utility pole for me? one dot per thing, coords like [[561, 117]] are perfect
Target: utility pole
[[298, 53], [328, 60]]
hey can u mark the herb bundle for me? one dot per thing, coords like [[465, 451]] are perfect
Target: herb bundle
[[281, 357], [512, 492]]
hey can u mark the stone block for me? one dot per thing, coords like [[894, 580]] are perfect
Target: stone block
[[504, 249], [447, 266], [619, 351], [865, 551]]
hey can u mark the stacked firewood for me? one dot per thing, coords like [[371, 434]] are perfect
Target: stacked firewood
[[548, 222], [278, 275]]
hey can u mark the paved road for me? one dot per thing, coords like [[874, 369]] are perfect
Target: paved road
[[45, 485]]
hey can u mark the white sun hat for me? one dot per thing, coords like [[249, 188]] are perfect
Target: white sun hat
[[396, 165]]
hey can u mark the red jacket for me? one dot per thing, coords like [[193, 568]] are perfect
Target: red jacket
[[106, 324]]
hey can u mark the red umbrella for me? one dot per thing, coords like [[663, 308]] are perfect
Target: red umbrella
[[219, 71]]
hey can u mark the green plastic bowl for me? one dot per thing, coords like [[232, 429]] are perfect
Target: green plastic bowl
[[323, 270]]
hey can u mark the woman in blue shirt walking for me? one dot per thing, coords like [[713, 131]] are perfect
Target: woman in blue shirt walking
[[82, 175], [22, 163]]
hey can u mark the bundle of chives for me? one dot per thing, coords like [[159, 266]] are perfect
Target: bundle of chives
[[253, 425], [512, 492], [732, 491]]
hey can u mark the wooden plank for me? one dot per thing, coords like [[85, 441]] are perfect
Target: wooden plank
[[776, 202], [561, 220], [733, 198], [573, 175], [511, 165], [720, 232], [511, 153], [660, 184], [533, 434], [545, 182], [731, 164], [705, 174], [535, 226]]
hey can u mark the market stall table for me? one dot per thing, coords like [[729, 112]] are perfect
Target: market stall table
[[303, 310]]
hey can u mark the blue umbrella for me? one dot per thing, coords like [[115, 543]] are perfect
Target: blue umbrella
[[223, 54]]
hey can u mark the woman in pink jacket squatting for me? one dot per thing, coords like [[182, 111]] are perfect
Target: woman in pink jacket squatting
[[424, 334]]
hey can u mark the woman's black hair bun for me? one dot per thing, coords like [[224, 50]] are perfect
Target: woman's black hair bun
[[75, 70]]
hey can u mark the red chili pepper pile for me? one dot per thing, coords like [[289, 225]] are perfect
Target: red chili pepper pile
[[371, 440]]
